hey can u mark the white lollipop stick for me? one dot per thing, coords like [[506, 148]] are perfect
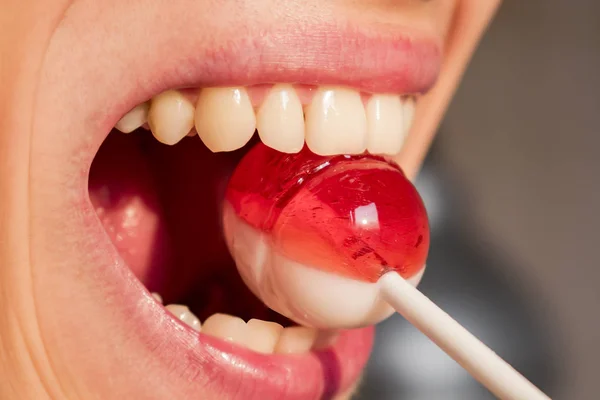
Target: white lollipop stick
[[482, 363]]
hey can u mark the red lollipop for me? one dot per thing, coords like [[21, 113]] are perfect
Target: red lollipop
[[322, 230]]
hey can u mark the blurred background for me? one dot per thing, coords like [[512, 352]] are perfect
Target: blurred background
[[513, 186]]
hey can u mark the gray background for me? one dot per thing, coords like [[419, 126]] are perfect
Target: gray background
[[513, 189]]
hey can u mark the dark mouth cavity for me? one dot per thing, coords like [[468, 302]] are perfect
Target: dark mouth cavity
[[161, 207]]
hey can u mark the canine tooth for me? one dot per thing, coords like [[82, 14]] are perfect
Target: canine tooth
[[385, 120], [134, 118], [185, 315], [157, 297], [171, 117], [296, 339], [224, 118], [336, 122], [226, 327], [280, 120], [408, 106], [262, 336]]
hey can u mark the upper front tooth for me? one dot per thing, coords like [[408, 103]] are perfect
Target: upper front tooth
[[224, 118], [262, 336], [226, 327], [386, 124], [171, 117], [336, 122], [185, 315], [280, 120], [134, 118]]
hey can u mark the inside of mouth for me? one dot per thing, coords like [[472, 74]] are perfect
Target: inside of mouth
[[161, 207]]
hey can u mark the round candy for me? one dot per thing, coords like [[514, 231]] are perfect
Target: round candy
[[311, 235]]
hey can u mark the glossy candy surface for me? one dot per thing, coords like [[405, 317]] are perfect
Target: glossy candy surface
[[311, 235], [356, 216]]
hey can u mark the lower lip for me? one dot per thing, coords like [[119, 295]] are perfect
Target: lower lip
[[210, 365], [244, 374]]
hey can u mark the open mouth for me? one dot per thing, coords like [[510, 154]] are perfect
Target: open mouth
[[160, 192], [147, 193]]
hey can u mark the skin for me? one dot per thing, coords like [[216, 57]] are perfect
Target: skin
[[47, 91]]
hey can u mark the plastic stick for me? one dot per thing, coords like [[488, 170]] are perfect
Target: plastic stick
[[480, 361]]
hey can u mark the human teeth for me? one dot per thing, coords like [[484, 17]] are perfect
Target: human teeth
[[408, 106], [257, 335], [157, 297], [226, 327], [262, 336], [185, 315], [336, 122], [386, 124], [280, 120], [325, 339], [134, 118], [171, 117], [296, 339], [224, 118]]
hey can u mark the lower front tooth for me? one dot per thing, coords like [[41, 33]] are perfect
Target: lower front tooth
[[325, 339], [157, 297], [134, 118], [296, 339], [185, 315], [226, 327], [171, 117], [262, 336]]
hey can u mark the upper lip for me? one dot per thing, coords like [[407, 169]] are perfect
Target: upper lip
[[374, 59]]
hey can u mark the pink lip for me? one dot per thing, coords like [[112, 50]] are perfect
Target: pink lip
[[367, 60], [371, 59], [196, 363], [243, 374]]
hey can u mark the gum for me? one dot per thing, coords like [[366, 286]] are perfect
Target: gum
[[355, 216]]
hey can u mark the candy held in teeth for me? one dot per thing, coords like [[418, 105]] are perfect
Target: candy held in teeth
[[313, 234]]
